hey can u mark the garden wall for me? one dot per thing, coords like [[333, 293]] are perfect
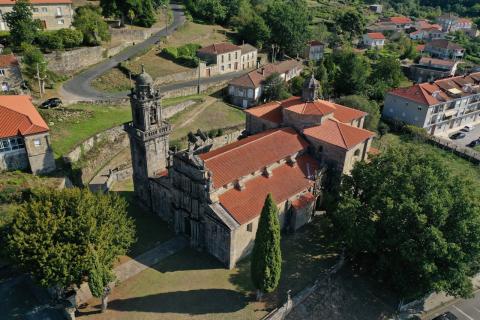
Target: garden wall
[[132, 35]]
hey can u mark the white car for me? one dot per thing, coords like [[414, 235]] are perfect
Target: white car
[[467, 128]]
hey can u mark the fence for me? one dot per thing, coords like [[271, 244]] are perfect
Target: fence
[[466, 153]]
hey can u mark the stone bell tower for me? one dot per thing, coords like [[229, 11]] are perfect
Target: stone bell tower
[[310, 89], [148, 134]]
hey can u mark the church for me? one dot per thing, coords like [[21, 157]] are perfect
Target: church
[[214, 196]]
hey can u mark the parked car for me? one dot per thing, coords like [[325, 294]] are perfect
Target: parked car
[[51, 103], [474, 143], [467, 128], [457, 135], [446, 316]]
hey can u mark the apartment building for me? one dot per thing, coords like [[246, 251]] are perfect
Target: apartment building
[[53, 14], [227, 57], [440, 107]]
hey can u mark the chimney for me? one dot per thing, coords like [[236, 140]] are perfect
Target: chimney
[[258, 63], [267, 172], [239, 185]]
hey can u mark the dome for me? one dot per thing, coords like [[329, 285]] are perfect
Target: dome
[[144, 79]]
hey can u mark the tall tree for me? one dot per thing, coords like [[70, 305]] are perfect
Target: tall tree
[[289, 24], [64, 237], [34, 65], [266, 264], [255, 31], [93, 27], [362, 103], [140, 12], [275, 88], [408, 220], [351, 22], [23, 28], [353, 72]]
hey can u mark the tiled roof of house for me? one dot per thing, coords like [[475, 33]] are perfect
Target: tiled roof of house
[[272, 111], [285, 182], [219, 48], [439, 91], [18, 116], [464, 20], [440, 62], [251, 154], [246, 48], [420, 47], [316, 43], [376, 36], [400, 20], [444, 44], [8, 60], [339, 134], [303, 200], [12, 2], [255, 78]]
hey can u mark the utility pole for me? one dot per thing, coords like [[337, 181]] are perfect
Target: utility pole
[[166, 19], [198, 81], [40, 81], [275, 49]]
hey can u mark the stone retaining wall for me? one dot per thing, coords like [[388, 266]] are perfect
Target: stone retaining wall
[[132, 35]]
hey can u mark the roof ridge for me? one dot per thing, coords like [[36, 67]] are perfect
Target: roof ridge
[[248, 143], [341, 133]]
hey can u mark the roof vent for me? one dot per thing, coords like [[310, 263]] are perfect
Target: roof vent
[[467, 88], [267, 172], [239, 185]]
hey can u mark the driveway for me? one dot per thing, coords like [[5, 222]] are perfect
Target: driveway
[[79, 86], [472, 135], [465, 309]]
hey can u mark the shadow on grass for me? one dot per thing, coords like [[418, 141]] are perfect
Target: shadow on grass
[[188, 259], [191, 302]]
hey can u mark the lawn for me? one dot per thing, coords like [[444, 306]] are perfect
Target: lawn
[[114, 80], [75, 123], [193, 285], [457, 165], [205, 116]]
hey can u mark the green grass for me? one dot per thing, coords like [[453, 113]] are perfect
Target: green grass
[[193, 285], [75, 123], [176, 100], [456, 164]]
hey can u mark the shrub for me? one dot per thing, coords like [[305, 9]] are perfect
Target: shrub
[[185, 55], [71, 38], [49, 40]]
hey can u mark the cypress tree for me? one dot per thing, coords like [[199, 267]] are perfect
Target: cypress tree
[[267, 257]]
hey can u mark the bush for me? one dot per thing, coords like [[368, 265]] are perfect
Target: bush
[[184, 55], [71, 38], [49, 41]]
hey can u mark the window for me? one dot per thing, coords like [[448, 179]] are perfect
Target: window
[[37, 142], [229, 66], [223, 58], [59, 11], [2, 72], [61, 21], [223, 68], [236, 55], [250, 227], [44, 9], [357, 153], [229, 57], [320, 149], [35, 10]]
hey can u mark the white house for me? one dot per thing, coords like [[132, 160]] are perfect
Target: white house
[[373, 40]]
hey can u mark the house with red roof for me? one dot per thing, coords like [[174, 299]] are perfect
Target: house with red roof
[[439, 107], [430, 69], [451, 23], [314, 50], [247, 90], [373, 40], [24, 136], [214, 197], [227, 57], [427, 34], [400, 22], [52, 14], [444, 49]]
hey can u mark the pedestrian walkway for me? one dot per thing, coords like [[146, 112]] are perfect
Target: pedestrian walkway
[[137, 265]]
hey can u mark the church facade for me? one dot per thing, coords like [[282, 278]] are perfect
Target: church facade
[[214, 197]]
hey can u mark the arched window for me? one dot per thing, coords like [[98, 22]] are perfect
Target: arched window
[[357, 152], [153, 116]]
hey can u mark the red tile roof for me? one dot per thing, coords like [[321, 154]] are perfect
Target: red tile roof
[[255, 78], [303, 200], [433, 61], [400, 20], [251, 154], [376, 35], [420, 47], [219, 48], [444, 44], [8, 60], [12, 2], [18, 116], [426, 93], [285, 182], [339, 134], [272, 111]]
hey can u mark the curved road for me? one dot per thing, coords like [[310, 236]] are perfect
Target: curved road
[[79, 89], [79, 86]]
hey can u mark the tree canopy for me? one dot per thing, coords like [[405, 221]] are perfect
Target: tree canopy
[[408, 220], [351, 22], [66, 237], [266, 256], [362, 103], [23, 28], [275, 88], [90, 22], [138, 12]]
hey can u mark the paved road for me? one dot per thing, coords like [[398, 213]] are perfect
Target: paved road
[[467, 309], [79, 86]]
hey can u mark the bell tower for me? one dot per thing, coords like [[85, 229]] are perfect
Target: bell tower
[[310, 89], [148, 134]]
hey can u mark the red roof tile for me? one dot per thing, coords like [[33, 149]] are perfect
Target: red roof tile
[[420, 47], [8, 60], [251, 154], [18, 116], [255, 78], [339, 134], [271, 111], [219, 48], [317, 107], [376, 35], [400, 20], [346, 115], [284, 183], [303, 200]]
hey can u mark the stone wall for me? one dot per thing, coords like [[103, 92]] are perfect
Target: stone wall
[[188, 91], [74, 60], [14, 160], [177, 77], [132, 35]]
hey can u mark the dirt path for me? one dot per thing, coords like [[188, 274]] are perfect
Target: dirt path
[[208, 102]]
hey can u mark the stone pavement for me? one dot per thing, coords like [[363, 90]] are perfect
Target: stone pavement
[[137, 265]]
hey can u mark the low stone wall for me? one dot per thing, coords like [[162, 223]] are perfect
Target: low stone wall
[[70, 61], [132, 35], [464, 152], [14, 160], [170, 111], [177, 77], [188, 91], [226, 139]]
